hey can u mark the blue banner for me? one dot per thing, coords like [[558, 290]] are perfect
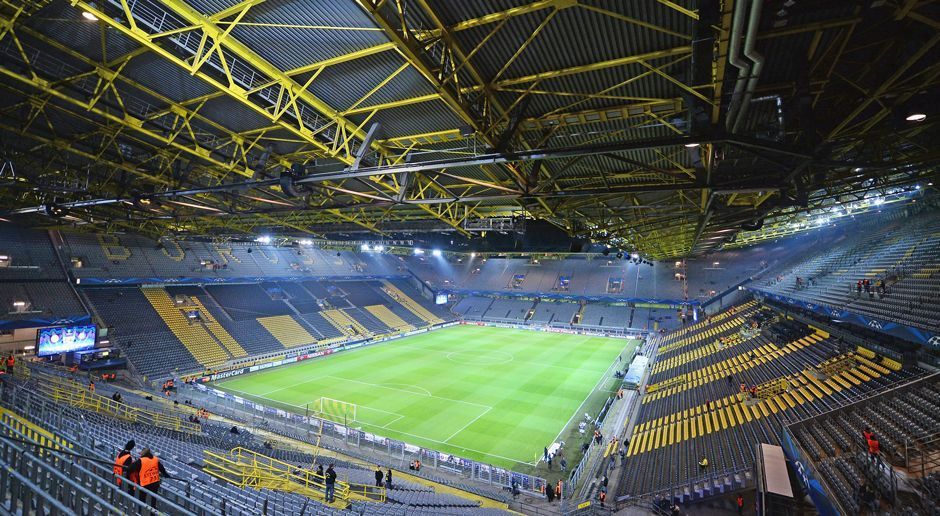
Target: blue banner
[[39, 322], [675, 303], [188, 280], [807, 476], [909, 333]]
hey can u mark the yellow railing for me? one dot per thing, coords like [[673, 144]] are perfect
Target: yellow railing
[[33, 432], [78, 395], [245, 468]]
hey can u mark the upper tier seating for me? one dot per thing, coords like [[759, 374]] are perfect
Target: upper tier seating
[[46, 300], [29, 255], [554, 313], [904, 255], [121, 256]]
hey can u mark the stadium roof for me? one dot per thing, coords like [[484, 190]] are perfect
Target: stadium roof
[[182, 116]]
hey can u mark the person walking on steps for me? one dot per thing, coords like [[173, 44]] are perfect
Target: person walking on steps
[[330, 484], [703, 464], [122, 466], [151, 472]]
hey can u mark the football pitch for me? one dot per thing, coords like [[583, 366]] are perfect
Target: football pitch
[[496, 395]]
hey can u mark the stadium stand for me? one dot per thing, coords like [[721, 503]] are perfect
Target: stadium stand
[[549, 313], [898, 260], [695, 407], [206, 461], [508, 310]]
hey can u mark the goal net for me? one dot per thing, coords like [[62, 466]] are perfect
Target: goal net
[[335, 410]]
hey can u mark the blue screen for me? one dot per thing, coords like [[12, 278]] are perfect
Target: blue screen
[[52, 341]]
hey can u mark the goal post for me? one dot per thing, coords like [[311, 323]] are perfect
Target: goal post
[[335, 410]]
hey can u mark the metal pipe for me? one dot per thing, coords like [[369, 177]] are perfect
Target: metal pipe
[[750, 51], [735, 60]]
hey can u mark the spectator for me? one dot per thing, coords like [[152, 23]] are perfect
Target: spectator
[[740, 504], [388, 478], [378, 476], [874, 447], [10, 362], [703, 464], [564, 464], [515, 489], [151, 472], [549, 494], [319, 470], [601, 496], [116, 396], [330, 482], [234, 430]]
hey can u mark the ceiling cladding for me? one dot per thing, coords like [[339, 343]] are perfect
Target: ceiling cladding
[[616, 121]]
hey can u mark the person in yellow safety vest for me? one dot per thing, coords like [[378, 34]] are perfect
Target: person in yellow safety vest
[[703, 464], [151, 472], [122, 465]]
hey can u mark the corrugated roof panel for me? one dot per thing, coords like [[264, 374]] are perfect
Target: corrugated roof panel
[[343, 85], [289, 48], [65, 24], [166, 78], [232, 114], [416, 118]]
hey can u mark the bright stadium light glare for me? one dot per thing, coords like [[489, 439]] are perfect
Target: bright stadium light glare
[[380, 248], [418, 251], [306, 242], [263, 239], [635, 256], [473, 255], [365, 247], [436, 252]]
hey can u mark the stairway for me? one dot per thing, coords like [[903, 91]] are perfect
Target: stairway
[[231, 345], [204, 348], [342, 321], [410, 304], [389, 318]]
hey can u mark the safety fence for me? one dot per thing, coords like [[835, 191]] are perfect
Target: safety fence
[[78, 395], [246, 468], [67, 480], [358, 443]]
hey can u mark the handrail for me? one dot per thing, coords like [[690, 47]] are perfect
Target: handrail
[[76, 395], [254, 469]]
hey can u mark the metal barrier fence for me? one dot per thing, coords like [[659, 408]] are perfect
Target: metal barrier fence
[[78, 395], [44, 480], [355, 442]]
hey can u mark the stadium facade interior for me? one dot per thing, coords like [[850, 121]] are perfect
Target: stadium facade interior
[[396, 257]]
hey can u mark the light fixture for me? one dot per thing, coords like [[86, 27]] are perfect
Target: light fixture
[[436, 252], [306, 242], [380, 248], [691, 145], [418, 251], [474, 255], [365, 247], [88, 14], [264, 239], [916, 117]]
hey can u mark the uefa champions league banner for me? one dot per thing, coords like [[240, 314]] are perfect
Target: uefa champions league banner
[[807, 476], [230, 279], [673, 303], [909, 333]]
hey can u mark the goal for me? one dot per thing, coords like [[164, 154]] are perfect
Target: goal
[[334, 410]]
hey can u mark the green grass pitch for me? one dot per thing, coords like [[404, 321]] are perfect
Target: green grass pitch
[[496, 395]]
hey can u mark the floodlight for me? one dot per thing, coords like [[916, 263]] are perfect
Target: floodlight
[[436, 252]]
